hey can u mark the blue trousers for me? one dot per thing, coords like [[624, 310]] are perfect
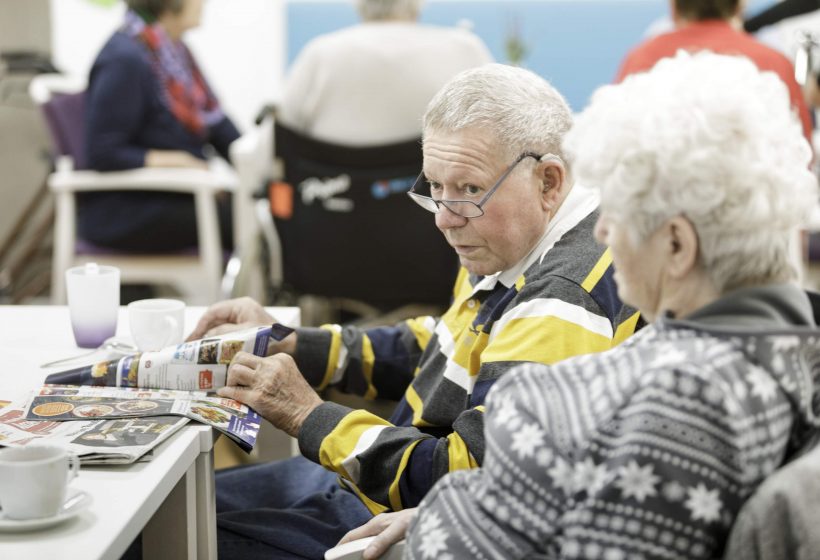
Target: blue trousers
[[284, 509]]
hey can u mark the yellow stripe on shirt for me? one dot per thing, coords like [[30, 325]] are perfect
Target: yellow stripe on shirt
[[394, 492], [341, 442], [415, 403], [368, 360], [375, 507], [332, 356], [460, 457], [421, 332], [597, 271], [626, 329], [544, 339]]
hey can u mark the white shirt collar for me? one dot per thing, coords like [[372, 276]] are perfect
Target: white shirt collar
[[580, 202]]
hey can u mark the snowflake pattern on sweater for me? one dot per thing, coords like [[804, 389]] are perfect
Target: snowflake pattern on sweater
[[645, 451]]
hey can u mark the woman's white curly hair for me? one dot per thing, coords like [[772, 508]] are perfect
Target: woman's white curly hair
[[709, 137]]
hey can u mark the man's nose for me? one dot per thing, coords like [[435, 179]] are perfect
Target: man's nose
[[447, 219]]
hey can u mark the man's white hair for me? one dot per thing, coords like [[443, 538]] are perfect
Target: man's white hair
[[371, 10], [711, 138], [519, 108]]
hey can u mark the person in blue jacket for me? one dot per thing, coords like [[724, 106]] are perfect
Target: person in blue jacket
[[148, 105]]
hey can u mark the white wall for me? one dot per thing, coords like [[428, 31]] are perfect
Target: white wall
[[240, 47]]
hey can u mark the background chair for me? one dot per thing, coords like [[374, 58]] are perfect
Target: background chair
[[340, 227], [196, 273]]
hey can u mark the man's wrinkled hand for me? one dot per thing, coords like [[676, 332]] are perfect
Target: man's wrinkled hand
[[389, 529], [231, 315], [274, 387]]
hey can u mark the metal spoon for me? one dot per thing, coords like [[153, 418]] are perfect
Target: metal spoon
[[111, 344]]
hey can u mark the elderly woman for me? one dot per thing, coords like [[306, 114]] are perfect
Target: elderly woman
[[648, 450], [148, 105]]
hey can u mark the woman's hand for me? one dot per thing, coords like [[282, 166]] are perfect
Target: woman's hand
[[389, 529]]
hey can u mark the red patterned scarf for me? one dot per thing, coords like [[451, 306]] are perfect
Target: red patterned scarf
[[186, 93]]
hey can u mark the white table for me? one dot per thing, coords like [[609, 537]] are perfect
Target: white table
[[170, 499]]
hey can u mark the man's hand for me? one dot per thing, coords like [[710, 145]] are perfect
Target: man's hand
[[272, 386], [390, 528], [231, 315]]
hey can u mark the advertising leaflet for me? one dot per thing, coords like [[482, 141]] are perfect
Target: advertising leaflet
[[178, 380], [198, 365], [95, 442], [59, 403]]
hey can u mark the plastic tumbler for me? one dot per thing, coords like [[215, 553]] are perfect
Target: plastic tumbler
[[93, 302]]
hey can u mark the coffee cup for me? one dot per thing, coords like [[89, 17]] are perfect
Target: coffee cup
[[34, 480], [156, 323], [93, 294]]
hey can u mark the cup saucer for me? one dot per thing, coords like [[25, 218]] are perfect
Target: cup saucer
[[76, 502]]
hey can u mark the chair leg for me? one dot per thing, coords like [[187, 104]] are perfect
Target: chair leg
[[64, 244], [210, 248]]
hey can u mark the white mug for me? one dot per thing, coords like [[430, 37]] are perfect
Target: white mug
[[156, 323], [93, 294], [34, 480]]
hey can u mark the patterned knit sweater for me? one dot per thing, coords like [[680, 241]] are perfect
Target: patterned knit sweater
[[563, 304], [644, 451]]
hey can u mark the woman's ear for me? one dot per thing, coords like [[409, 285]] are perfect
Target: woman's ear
[[682, 246]]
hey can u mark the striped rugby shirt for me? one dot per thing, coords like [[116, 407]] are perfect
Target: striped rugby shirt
[[559, 301]]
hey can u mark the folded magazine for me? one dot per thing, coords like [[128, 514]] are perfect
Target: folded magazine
[[96, 442], [179, 380]]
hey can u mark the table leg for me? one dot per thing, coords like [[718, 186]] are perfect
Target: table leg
[[176, 516], [205, 506]]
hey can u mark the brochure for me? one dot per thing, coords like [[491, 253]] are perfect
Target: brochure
[[198, 365], [96, 442], [60, 403], [178, 380]]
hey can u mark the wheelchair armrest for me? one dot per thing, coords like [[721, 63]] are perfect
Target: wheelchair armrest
[[252, 154]]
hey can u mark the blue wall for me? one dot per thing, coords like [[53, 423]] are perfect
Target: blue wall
[[576, 44]]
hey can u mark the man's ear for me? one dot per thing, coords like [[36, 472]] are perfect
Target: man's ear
[[682, 245], [553, 182]]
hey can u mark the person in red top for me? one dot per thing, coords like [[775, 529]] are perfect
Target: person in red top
[[715, 25]]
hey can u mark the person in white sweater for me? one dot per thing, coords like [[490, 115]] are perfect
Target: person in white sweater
[[369, 84]]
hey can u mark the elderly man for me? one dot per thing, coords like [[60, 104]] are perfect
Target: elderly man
[[351, 86], [534, 287], [649, 450]]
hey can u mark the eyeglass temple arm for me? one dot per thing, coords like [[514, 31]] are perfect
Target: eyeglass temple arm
[[509, 170]]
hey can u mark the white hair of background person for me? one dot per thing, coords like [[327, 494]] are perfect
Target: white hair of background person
[[521, 109], [709, 137], [375, 10]]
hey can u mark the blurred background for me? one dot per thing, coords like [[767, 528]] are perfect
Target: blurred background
[[245, 47]]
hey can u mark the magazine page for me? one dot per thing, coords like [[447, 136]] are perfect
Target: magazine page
[[95, 442], [109, 442], [59, 403], [199, 365]]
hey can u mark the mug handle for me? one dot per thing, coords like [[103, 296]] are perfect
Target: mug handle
[[73, 466], [171, 325]]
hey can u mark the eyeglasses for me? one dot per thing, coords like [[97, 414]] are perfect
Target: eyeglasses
[[463, 208]]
